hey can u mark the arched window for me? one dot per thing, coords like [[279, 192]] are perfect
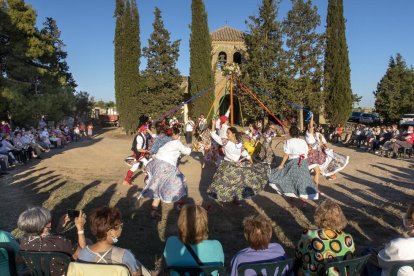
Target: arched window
[[237, 58], [222, 60]]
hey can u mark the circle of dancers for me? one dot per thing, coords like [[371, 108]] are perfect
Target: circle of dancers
[[244, 161]]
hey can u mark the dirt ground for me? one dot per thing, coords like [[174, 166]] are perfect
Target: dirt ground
[[372, 190]]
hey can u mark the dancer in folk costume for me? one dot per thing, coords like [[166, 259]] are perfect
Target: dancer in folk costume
[[214, 152], [164, 182], [321, 158], [252, 145], [235, 180], [292, 177], [266, 153], [140, 150], [163, 136]]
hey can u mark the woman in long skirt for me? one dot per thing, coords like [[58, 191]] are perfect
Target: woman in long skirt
[[164, 182], [235, 180], [321, 158], [292, 177]]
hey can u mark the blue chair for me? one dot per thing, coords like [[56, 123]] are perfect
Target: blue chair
[[279, 267], [11, 258], [206, 270]]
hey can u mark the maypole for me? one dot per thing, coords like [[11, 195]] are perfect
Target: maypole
[[231, 102], [230, 70]]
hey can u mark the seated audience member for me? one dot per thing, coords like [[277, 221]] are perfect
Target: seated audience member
[[44, 138], [36, 223], [328, 242], [4, 164], [400, 249], [6, 237], [192, 247], [106, 225], [405, 141], [258, 232]]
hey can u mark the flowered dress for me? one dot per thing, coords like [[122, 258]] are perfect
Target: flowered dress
[[234, 179], [164, 180], [318, 246], [328, 161]]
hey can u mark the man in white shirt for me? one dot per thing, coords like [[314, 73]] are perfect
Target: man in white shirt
[[189, 128]]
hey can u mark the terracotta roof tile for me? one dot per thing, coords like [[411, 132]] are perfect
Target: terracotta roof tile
[[227, 33]]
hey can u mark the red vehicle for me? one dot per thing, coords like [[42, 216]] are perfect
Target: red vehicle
[[107, 119]]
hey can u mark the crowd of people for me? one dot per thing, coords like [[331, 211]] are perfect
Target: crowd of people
[[19, 145], [380, 140], [244, 161], [191, 246]]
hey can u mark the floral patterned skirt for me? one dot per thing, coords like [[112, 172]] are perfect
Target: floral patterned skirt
[[164, 181], [237, 181], [316, 157], [334, 163]]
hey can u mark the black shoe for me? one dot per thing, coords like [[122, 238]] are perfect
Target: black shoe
[[4, 173]]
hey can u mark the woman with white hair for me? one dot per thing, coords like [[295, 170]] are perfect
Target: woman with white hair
[[36, 224]]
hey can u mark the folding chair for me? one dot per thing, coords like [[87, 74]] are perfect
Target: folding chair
[[280, 268], [352, 267], [11, 258]]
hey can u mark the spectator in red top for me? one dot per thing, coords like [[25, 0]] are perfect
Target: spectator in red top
[[406, 141], [5, 127]]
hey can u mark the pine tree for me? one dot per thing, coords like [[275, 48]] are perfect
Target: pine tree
[[337, 80], [127, 54], [304, 53], [201, 74], [35, 78], [263, 65], [161, 76], [395, 91]]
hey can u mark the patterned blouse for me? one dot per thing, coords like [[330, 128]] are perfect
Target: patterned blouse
[[317, 246]]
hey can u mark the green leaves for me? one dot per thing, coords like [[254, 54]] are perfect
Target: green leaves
[[395, 91], [35, 79], [337, 79], [201, 75]]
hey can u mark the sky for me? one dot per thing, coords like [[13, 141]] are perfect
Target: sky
[[375, 31]]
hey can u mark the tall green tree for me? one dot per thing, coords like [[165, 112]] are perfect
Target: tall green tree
[[394, 95], [304, 53], [201, 74], [162, 78], [128, 82], [263, 67], [34, 81], [337, 79]]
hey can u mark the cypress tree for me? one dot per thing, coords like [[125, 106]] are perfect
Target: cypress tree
[[263, 65], [201, 75], [337, 80], [127, 55], [304, 53], [162, 78]]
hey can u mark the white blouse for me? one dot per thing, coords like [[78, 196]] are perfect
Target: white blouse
[[399, 249], [171, 151], [295, 147], [232, 151], [315, 140]]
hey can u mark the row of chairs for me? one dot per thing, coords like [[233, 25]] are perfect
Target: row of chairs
[[40, 265]]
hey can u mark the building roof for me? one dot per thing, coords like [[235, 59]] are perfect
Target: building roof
[[227, 33]]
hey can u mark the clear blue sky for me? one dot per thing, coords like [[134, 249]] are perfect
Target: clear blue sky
[[376, 29]]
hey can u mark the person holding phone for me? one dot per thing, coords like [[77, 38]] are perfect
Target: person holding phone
[[36, 224]]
